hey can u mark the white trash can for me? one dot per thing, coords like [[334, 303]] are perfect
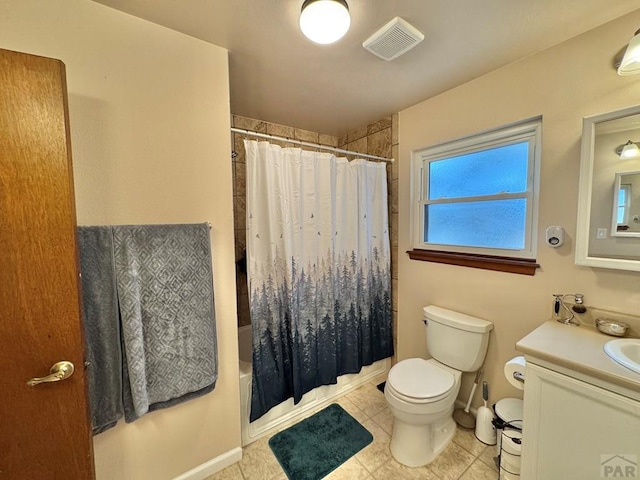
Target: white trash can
[[510, 454], [508, 423]]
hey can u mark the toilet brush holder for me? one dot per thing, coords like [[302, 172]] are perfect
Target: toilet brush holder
[[485, 430]]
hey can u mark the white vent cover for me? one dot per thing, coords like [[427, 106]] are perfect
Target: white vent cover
[[394, 39]]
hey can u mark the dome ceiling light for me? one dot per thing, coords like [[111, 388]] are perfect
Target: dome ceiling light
[[325, 21]]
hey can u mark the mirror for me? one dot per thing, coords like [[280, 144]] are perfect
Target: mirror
[[626, 205], [608, 227]]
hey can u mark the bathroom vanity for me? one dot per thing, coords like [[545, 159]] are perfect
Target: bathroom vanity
[[581, 409]]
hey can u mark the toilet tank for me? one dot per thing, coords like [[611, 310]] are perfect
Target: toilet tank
[[459, 341]]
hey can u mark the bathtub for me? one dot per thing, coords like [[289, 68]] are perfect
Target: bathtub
[[287, 413]]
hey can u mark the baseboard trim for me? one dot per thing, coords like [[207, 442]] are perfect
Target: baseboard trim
[[212, 466]]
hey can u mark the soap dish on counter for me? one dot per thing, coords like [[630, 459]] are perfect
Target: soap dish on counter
[[612, 327]]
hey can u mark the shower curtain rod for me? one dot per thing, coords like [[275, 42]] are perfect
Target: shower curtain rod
[[308, 144]]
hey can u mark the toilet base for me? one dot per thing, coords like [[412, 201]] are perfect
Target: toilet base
[[418, 445]]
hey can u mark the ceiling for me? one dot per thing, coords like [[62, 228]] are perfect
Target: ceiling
[[277, 75]]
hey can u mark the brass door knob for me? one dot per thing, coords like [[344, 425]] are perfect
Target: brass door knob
[[59, 371]]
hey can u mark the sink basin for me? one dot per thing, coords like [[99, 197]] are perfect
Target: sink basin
[[625, 351]]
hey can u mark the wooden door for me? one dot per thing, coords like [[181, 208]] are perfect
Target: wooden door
[[44, 429]]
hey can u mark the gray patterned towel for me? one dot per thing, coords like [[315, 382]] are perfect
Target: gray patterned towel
[[165, 291], [101, 326]]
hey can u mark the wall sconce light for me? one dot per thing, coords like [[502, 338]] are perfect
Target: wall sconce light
[[630, 63], [628, 150], [325, 21]]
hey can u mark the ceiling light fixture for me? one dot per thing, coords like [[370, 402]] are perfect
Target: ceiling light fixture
[[628, 150], [325, 21], [630, 64]]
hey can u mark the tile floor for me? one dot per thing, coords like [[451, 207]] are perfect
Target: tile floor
[[465, 458]]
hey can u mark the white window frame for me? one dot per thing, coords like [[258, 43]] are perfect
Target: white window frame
[[625, 206], [529, 130]]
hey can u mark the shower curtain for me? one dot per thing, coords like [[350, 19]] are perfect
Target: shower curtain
[[319, 269]]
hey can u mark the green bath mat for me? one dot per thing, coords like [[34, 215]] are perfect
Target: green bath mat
[[316, 446]]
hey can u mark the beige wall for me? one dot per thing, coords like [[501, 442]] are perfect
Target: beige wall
[[149, 115], [563, 84]]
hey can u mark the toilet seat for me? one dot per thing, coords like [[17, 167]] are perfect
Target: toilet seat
[[417, 381]]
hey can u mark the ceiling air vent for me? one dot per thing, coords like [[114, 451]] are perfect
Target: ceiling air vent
[[394, 39]]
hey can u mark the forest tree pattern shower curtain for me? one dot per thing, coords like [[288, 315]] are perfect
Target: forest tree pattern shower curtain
[[319, 269]]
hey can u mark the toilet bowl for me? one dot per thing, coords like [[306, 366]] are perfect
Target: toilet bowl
[[421, 393], [422, 409]]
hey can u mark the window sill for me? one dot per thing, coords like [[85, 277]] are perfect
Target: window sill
[[487, 262]]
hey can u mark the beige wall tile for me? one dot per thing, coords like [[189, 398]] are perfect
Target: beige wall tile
[[396, 161], [328, 140], [240, 212], [238, 148], [240, 243], [393, 218], [379, 143], [240, 179], [358, 145], [379, 125], [393, 196], [306, 135], [250, 124], [394, 263], [343, 141], [280, 130], [394, 128], [394, 295], [357, 134]]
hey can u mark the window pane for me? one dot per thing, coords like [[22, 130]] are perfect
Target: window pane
[[498, 170], [490, 224], [622, 196]]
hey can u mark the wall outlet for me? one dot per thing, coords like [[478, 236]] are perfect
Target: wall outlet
[[601, 233]]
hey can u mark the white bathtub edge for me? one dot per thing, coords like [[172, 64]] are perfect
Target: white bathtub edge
[[212, 466], [250, 432]]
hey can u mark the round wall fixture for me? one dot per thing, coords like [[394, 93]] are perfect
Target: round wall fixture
[[325, 21]]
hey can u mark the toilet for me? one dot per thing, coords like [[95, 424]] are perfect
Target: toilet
[[421, 393]]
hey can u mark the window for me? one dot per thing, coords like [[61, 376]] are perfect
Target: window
[[622, 217], [476, 197]]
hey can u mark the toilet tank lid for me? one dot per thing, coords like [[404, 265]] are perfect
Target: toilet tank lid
[[456, 319]]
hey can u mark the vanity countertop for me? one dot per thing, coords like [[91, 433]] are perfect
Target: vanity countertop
[[580, 349]]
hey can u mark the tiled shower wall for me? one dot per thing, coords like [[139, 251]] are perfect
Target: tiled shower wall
[[379, 138]]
